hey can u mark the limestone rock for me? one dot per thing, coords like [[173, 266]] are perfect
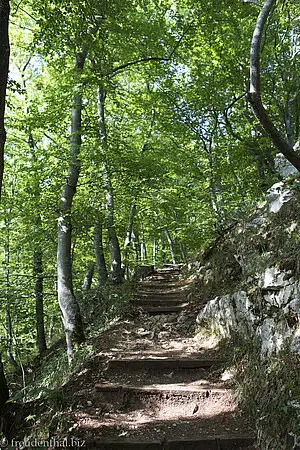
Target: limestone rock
[[283, 166], [273, 335], [277, 196]]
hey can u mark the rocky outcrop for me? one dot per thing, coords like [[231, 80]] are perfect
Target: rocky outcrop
[[256, 269]]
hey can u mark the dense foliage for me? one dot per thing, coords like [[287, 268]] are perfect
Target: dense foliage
[[182, 156]]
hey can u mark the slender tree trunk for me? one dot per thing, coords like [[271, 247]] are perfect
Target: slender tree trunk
[[69, 306], [136, 247], [38, 259], [154, 254], [128, 238], [114, 246], [143, 248], [171, 245], [4, 392], [99, 253], [88, 277], [9, 324], [255, 88], [183, 252], [39, 300], [4, 64]]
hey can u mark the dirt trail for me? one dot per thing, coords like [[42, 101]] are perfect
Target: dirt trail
[[153, 384]]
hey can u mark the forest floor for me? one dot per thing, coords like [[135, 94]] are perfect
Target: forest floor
[[154, 381]]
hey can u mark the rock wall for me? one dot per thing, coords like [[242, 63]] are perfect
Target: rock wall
[[254, 272]]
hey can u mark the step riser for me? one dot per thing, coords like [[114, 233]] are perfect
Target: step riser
[[150, 364], [160, 285], [159, 295], [163, 310], [210, 443], [155, 303], [164, 276], [177, 404], [159, 311]]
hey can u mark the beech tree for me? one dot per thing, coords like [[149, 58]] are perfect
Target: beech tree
[[69, 306], [164, 150], [283, 145]]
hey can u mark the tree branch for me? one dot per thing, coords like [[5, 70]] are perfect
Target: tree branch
[[138, 61], [255, 89], [152, 58], [254, 2]]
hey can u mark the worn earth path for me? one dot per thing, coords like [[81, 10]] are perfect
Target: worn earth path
[[154, 384]]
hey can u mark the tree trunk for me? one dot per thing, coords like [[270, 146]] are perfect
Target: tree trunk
[[255, 89], [4, 392], [136, 247], [69, 306], [171, 245], [88, 277], [183, 252], [154, 253], [114, 246], [128, 238], [99, 253], [39, 300], [143, 249], [4, 64]]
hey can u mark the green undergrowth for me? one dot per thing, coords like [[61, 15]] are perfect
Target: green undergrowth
[[41, 385], [268, 391]]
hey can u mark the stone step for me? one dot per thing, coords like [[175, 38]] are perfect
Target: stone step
[[165, 274], [203, 443], [204, 392], [162, 279], [159, 286], [162, 309], [180, 400], [160, 295], [141, 302], [161, 363]]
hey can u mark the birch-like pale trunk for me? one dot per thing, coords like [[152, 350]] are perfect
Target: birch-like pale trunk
[[128, 238], [154, 251], [88, 277], [255, 88], [116, 275], [171, 245], [99, 253], [69, 306], [136, 247]]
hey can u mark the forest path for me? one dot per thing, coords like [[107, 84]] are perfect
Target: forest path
[[154, 384]]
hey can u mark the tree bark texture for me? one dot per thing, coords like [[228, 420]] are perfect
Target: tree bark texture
[[4, 65], [136, 247], [114, 246], [4, 392], [99, 253], [39, 300], [38, 259], [68, 304], [255, 88], [128, 238], [88, 277], [171, 245]]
